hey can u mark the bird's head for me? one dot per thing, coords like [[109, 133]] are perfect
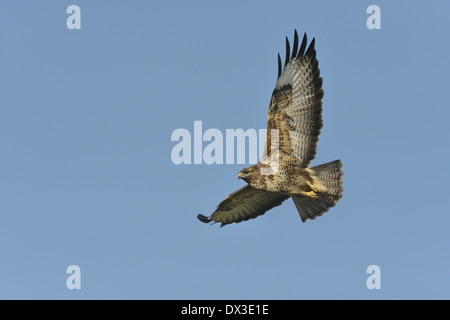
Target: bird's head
[[248, 174]]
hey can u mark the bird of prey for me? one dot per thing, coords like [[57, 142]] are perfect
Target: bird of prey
[[293, 128]]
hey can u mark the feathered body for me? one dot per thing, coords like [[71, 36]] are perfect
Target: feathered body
[[289, 179]]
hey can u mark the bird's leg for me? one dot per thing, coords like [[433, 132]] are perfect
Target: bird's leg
[[313, 191], [311, 194]]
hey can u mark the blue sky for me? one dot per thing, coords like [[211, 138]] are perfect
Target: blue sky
[[86, 176]]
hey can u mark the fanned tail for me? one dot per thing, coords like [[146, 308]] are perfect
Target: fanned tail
[[329, 175]]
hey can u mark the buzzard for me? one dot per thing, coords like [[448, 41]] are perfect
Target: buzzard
[[293, 127]]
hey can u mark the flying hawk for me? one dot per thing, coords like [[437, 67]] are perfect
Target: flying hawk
[[293, 128]]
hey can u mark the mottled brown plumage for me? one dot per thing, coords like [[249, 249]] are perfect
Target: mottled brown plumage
[[293, 127]]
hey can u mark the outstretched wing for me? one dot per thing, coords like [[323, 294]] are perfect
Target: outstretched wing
[[243, 204], [296, 106]]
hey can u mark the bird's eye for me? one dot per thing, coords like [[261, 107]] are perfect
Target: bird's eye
[[245, 172]]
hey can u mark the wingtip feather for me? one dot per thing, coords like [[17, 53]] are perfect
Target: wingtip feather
[[203, 218], [288, 52], [279, 65], [295, 48], [311, 50]]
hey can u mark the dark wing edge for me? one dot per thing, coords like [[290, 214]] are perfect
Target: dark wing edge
[[244, 204], [311, 52]]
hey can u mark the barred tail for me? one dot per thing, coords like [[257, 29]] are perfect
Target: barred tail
[[329, 175]]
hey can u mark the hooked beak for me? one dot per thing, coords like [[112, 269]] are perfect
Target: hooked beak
[[240, 175]]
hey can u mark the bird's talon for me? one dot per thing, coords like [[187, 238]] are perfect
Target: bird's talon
[[312, 194]]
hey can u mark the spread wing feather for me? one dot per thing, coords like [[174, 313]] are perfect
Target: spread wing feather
[[244, 204], [296, 106]]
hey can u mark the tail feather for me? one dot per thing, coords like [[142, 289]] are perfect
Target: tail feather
[[329, 175]]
